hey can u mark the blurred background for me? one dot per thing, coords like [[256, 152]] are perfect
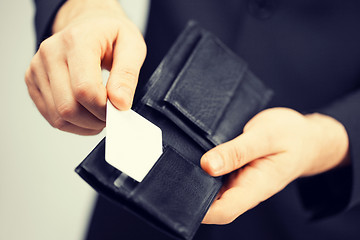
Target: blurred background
[[41, 197]]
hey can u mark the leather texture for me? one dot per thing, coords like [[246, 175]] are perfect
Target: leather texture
[[201, 95]]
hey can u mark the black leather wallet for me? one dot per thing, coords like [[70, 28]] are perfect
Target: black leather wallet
[[200, 95]]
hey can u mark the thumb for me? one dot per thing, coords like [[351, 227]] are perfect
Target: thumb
[[236, 153], [128, 57]]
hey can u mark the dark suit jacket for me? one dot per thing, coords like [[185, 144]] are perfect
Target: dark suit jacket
[[308, 52]]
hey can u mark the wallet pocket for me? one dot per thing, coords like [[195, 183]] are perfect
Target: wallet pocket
[[176, 192], [212, 95], [203, 89], [174, 196]]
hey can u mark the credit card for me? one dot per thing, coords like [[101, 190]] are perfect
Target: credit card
[[133, 144]]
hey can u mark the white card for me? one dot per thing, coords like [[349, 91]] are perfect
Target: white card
[[133, 144]]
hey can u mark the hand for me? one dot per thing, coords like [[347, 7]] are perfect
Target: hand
[[277, 146], [64, 78]]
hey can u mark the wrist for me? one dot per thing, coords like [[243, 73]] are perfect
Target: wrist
[[332, 144], [76, 9]]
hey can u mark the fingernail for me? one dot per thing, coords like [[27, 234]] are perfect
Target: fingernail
[[126, 95], [215, 162]]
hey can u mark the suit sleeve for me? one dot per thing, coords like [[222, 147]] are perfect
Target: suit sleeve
[[337, 190], [44, 17]]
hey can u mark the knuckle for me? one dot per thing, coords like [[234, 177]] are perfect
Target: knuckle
[[67, 110], [237, 154], [82, 92], [35, 62], [70, 36], [128, 75], [46, 48], [31, 73], [59, 123]]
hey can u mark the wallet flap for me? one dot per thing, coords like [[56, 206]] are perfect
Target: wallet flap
[[251, 97], [213, 71], [164, 75]]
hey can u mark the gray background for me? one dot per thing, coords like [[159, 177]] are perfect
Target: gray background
[[40, 195]]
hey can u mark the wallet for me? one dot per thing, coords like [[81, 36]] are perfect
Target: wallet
[[200, 95]]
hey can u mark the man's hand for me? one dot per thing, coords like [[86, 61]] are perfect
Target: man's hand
[[277, 146], [64, 78]]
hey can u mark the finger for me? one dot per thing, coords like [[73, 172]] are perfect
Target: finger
[[37, 81], [234, 154], [35, 93], [129, 55], [47, 105], [65, 103], [86, 80], [55, 120], [71, 128], [255, 183]]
